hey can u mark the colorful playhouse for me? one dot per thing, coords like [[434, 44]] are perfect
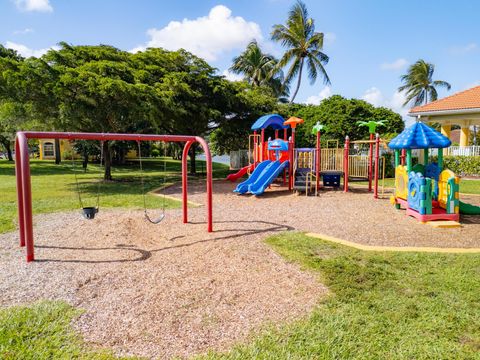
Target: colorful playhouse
[[427, 191]]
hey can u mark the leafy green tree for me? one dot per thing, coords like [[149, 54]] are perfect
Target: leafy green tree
[[303, 44], [259, 68], [340, 117], [247, 106], [418, 84]]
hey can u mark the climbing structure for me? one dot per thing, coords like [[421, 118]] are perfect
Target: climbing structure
[[426, 190]]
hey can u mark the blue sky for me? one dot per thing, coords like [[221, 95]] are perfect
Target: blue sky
[[370, 42]]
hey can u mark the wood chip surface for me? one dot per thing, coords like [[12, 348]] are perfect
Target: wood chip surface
[[175, 290]]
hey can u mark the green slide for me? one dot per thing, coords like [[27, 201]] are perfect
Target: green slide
[[469, 209]]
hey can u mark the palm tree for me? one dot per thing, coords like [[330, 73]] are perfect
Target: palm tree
[[303, 44], [259, 68], [418, 83]]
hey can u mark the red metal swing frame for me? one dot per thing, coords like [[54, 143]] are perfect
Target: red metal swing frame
[[24, 188]]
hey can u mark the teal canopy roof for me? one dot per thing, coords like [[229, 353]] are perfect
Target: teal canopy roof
[[274, 121], [419, 136]]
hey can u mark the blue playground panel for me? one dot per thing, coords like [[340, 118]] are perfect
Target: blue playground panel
[[331, 178]]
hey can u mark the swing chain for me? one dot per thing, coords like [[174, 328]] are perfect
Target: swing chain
[[162, 216], [98, 183]]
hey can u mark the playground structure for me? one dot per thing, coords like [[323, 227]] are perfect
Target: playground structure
[[270, 158], [24, 189], [307, 169], [427, 191]]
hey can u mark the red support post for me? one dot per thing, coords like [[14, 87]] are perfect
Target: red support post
[[403, 156], [27, 195], [262, 142], [186, 148], [285, 136], [345, 164], [19, 179], [22, 168], [370, 160], [377, 165]]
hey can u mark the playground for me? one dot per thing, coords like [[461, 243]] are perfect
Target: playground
[[194, 274]]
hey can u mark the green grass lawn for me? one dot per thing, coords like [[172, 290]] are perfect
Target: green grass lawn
[[381, 306], [466, 186], [54, 188]]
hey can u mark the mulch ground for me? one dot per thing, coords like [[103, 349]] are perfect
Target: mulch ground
[[175, 290]]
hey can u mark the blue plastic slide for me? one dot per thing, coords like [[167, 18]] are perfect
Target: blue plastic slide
[[267, 176], [242, 188]]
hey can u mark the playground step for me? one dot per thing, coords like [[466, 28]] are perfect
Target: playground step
[[444, 224]]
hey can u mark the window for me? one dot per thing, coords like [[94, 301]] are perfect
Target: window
[[48, 149]]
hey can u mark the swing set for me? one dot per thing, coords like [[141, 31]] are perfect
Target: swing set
[[24, 188]]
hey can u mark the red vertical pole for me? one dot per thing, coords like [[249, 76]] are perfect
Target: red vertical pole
[[377, 165], [262, 141], [27, 195], [187, 146], [292, 155], [208, 157], [285, 134], [402, 157], [276, 134], [345, 164], [255, 149], [370, 158], [18, 175], [317, 162]]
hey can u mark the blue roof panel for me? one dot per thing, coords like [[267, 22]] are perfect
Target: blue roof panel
[[274, 121], [419, 136]]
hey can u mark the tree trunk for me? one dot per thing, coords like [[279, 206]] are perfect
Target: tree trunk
[[193, 165], [58, 155], [85, 161], [299, 80], [107, 160], [6, 144], [9, 153]]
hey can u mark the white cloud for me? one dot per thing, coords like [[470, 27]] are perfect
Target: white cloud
[[323, 94], [23, 31], [207, 36], [25, 51], [459, 50], [232, 76], [34, 5], [395, 102], [396, 65]]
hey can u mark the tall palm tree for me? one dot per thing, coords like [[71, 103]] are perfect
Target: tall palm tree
[[255, 66], [419, 85], [259, 68], [298, 36]]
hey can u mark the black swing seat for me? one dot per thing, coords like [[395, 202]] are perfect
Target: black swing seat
[[89, 212]]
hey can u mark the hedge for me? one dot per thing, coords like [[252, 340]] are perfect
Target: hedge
[[462, 165]]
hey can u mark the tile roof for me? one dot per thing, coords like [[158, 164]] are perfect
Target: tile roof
[[468, 99]]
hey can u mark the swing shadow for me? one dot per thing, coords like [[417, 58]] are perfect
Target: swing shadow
[[147, 254]]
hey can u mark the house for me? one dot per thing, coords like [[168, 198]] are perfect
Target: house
[[462, 109]]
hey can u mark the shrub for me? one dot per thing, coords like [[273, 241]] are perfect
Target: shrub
[[463, 165]]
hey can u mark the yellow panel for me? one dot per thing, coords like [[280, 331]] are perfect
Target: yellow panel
[[401, 182], [445, 175]]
